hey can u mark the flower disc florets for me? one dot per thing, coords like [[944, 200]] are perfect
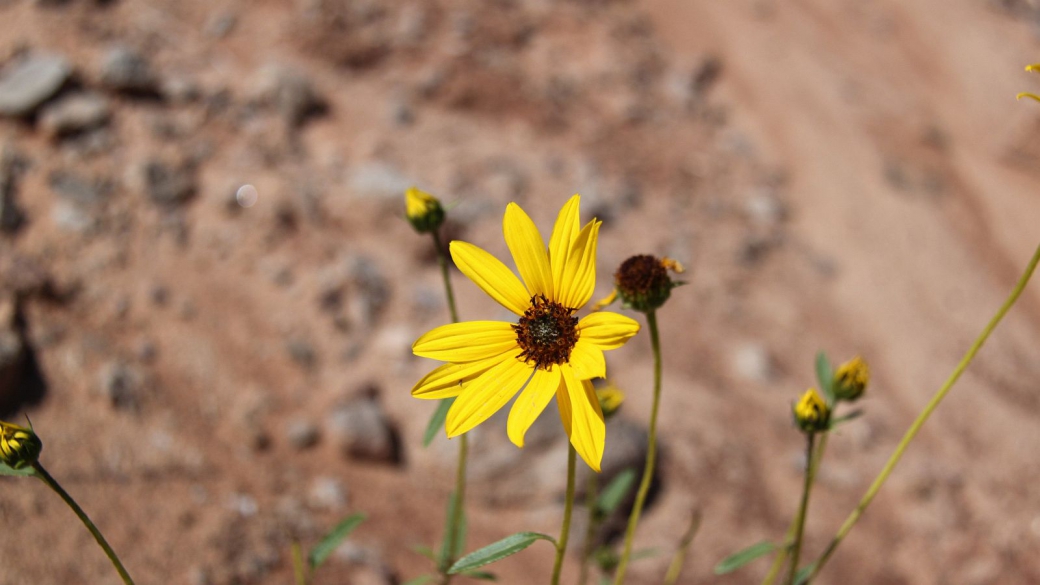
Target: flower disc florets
[[547, 332], [643, 282]]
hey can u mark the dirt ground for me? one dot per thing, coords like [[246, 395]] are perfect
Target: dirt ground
[[218, 370]]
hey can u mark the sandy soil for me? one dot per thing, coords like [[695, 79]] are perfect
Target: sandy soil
[[837, 175]]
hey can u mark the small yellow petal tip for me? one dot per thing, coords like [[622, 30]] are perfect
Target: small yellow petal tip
[[605, 301], [1026, 94], [1033, 67]]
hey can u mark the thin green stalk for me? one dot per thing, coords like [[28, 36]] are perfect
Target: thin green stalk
[[927, 412], [781, 554], [651, 452], [675, 568], [54, 485], [568, 507], [299, 569], [443, 261], [591, 493], [460, 473], [803, 508]]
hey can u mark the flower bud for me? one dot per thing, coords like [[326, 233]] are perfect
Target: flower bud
[[19, 446], [811, 412], [643, 282], [424, 211], [851, 379], [610, 399]]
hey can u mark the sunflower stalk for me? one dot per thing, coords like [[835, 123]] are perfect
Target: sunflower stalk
[[937, 398], [803, 509], [591, 492], [568, 508], [54, 485], [651, 451]]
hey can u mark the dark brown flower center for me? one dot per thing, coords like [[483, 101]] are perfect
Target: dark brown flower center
[[547, 332]]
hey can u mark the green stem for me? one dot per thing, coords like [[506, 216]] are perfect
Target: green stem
[[591, 493], [927, 412], [803, 508], [568, 507], [675, 568], [443, 261], [651, 452], [53, 484], [781, 554], [299, 570]]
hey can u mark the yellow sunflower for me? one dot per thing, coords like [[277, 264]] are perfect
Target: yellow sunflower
[[547, 352]]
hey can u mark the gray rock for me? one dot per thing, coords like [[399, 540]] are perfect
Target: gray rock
[[373, 289], [77, 189], [12, 365], [302, 434], [752, 361], [74, 113], [764, 207], [166, 185], [125, 70], [377, 180], [26, 84], [302, 352], [11, 215], [288, 91], [327, 493], [361, 430], [122, 384]]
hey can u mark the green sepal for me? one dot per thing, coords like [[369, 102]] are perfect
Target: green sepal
[[825, 377], [496, 551], [437, 421], [612, 495], [27, 471], [743, 557], [323, 549]]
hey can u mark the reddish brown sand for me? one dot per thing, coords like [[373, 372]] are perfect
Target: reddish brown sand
[[851, 176]]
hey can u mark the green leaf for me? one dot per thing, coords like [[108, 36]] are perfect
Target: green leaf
[[612, 495], [845, 418], [481, 575], [509, 545], [825, 376], [425, 551], [803, 574], [323, 549], [420, 580], [437, 421], [743, 557], [23, 472]]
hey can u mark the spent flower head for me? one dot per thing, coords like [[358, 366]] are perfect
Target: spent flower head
[[547, 352], [424, 211], [643, 282], [811, 412], [851, 379], [19, 446]]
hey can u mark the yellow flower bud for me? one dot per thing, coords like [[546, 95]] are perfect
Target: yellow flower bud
[[424, 211], [851, 379], [610, 399], [811, 412], [19, 446]]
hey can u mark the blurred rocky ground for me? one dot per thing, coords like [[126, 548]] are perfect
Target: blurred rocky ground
[[208, 291]]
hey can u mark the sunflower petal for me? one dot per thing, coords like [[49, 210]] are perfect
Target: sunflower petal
[[564, 233], [448, 380], [528, 249], [491, 275], [587, 361], [579, 274], [606, 330], [587, 430], [531, 402], [466, 342], [486, 394]]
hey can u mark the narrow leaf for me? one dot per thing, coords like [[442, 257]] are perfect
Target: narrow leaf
[[825, 376], [451, 548], [612, 495], [845, 418], [509, 545], [481, 575], [323, 549], [743, 557], [803, 574], [420, 580], [425, 551], [437, 421]]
